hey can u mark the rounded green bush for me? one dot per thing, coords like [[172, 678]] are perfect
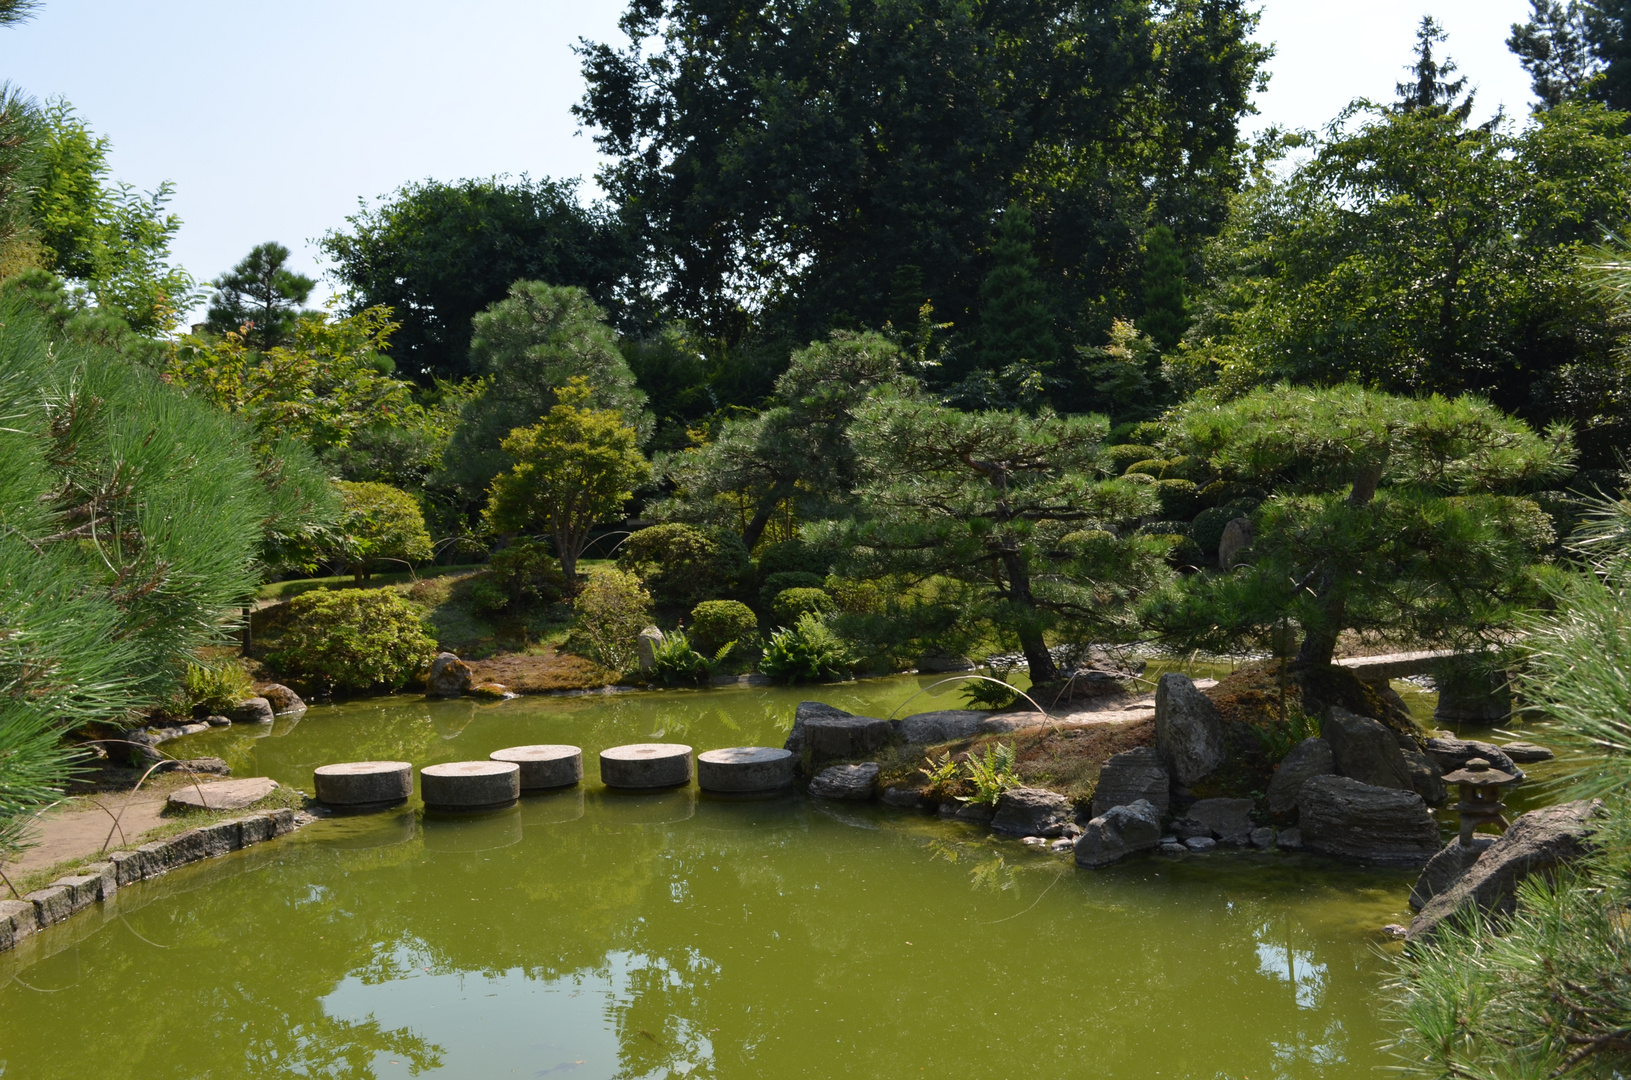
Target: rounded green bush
[[791, 604], [792, 556], [352, 640], [1180, 499], [1162, 528], [521, 577], [716, 623], [1152, 467], [1207, 530], [1186, 554], [1119, 458], [683, 565], [776, 584]]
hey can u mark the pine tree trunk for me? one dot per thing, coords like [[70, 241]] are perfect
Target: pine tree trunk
[[1037, 656], [1320, 646], [762, 513]]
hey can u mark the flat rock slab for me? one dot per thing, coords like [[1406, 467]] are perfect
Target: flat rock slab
[[470, 785], [223, 794], [1025, 811], [1526, 753], [544, 765], [852, 782], [744, 769], [646, 765], [1450, 754], [364, 783], [1130, 776], [1341, 816], [945, 725]]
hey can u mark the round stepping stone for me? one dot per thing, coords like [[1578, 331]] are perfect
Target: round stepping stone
[[356, 784], [470, 785], [646, 765], [744, 769], [544, 766], [223, 794]]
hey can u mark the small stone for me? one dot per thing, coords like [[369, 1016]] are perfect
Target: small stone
[[1395, 931], [1063, 844], [491, 691], [649, 641], [1290, 839], [1200, 843], [1262, 837], [223, 794], [1171, 840], [449, 676], [255, 710], [1526, 753], [218, 721], [974, 813], [852, 782], [284, 821], [1034, 841], [1239, 839], [1174, 848]]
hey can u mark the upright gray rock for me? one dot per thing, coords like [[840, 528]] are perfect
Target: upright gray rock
[[1338, 815], [1450, 754], [1188, 729], [646, 645], [1130, 776], [1537, 843], [852, 782], [1309, 758], [1365, 750], [1425, 778], [449, 676], [1025, 811], [1237, 538], [1446, 868], [1117, 833]]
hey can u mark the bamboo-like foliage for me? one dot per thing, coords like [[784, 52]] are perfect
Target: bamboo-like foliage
[[130, 522]]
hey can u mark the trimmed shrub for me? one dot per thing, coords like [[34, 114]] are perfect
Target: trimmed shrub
[[345, 640], [379, 522], [792, 556], [1120, 458], [808, 651], [791, 604], [1164, 528], [1186, 554], [776, 584], [612, 607], [522, 577], [1207, 531], [1180, 499], [683, 565], [854, 597], [717, 623], [1151, 467]]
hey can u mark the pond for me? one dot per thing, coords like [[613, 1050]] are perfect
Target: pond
[[592, 934]]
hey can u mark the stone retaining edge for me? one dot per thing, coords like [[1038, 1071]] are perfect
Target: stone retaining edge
[[67, 896]]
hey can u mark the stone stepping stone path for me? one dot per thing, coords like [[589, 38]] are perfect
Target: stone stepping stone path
[[470, 785], [544, 766], [223, 794], [645, 766], [363, 784], [744, 770]]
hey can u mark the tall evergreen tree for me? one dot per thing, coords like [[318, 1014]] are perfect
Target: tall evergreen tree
[[262, 293], [1016, 310], [1555, 48], [1166, 308], [1430, 88]]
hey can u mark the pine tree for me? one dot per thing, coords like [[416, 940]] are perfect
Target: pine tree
[[1166, 309], [262, 293], [1430, 87], [1016, 308]]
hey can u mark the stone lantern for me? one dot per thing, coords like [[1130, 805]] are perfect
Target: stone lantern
[[1480, 796]]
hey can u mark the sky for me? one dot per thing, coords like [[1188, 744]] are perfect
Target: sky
[[273, 119]]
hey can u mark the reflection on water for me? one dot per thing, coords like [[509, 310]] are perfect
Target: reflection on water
[[599, 934]]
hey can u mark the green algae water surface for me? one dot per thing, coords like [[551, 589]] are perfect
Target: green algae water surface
[[589, 934]]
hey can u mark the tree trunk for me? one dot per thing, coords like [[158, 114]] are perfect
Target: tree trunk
[[1320, 646], [761, 514], [1037, 656]]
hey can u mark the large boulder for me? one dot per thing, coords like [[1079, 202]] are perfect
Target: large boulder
[[853, 782], [1338, 815], [282, 699], [1117, 833], [449, 676], [1450, 754], [1308, 759], [1218, 819], [1425, 778], [1130, 776], [255, 710], [1365, 750], [1539, 842], [827, 733], [1025, 811], [1188, 729], [1445, 868], [928, 728]]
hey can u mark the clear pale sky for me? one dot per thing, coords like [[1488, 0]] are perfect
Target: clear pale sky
[[272, 119]]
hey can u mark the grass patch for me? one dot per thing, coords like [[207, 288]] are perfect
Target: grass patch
[[288, 590]]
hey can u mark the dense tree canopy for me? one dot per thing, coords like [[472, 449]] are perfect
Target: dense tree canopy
[[262, 293], [808, 162], [437, 254], [1576, 50]]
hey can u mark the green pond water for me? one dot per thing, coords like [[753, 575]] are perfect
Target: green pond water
[[591, 934]]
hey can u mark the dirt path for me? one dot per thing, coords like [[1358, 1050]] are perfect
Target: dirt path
[[79, 828]]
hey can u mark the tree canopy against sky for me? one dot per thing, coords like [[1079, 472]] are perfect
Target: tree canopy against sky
[[809, 161], [263, 293], [438, 253], [1576, 50]]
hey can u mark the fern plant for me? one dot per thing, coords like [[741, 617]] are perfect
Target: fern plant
[[941, 773], [991, 774], [809, 651], [985, 693], [675, 663]]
